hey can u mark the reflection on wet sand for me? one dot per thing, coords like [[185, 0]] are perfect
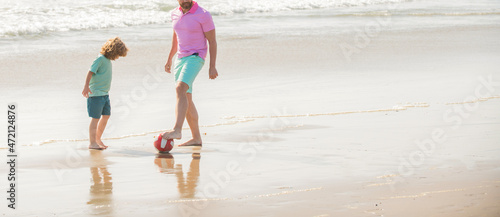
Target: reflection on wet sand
[[187, 185], [101, 187]]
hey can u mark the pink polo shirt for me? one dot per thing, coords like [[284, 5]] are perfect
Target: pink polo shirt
[[190, 29]]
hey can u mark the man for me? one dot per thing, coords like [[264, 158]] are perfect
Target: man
[[193, 27]]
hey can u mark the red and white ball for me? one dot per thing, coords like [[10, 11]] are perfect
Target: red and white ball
[[163, 145]]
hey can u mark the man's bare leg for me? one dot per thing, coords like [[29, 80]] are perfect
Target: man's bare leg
[[180, 112], [92, 134], [100, 130], [192, 119]]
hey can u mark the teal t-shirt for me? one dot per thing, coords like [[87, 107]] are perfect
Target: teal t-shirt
[[100, 83]]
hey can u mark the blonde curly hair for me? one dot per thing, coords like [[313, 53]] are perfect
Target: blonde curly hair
[[114, 48]]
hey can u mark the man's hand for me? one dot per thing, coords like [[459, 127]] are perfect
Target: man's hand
[[212, 73], [86, 91], [212, 42], [168, 66]]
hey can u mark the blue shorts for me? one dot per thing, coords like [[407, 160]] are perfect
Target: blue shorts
[[187, 68], [98, 105]]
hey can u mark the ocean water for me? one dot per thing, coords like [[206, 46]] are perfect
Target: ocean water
[[39, 28], [27, 17], [30, 25]]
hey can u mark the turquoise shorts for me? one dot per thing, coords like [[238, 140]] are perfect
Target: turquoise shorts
[[187, 68], [98, 105]]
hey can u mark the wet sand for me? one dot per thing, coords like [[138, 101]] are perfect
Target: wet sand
[[330, 165], [410, 138]]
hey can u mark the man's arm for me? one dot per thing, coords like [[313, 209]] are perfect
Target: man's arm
[[173, 50], [86, 88], [212, 42]]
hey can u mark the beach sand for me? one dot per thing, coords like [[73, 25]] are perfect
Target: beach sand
[[407, 127]]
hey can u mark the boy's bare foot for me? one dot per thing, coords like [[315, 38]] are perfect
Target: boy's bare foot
[[172, 134], [95, 146], [192, 142], [101, 144]]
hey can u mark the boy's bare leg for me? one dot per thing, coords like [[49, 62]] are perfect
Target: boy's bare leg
[[180, 112], [100, 130], [92, 134], [192, 119]]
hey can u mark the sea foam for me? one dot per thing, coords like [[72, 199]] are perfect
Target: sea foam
[[29, 17]]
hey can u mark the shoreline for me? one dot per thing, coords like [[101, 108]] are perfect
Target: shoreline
[[382, 66]]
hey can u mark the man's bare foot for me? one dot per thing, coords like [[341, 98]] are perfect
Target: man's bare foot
[[101, 144], [172, 134], [95, 146], [192, 142]]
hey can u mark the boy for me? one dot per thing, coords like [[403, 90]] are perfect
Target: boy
[[96, 90]]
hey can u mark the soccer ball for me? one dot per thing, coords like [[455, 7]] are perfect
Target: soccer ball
[[163, 145]]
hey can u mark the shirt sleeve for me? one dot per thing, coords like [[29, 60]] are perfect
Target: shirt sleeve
[[207, 23], [95, 65], [172, 16]]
